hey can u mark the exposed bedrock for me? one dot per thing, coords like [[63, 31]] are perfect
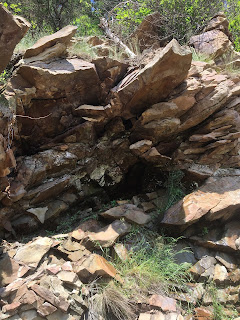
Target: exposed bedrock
[[84, 128]]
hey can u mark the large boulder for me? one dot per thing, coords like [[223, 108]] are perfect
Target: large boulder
[[62, 84], [218, 198], [213, 43], [216, 40], [12, 30], [155, 81]]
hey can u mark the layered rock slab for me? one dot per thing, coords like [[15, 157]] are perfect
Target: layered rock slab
[[62, 36], [60, 85], [155, 81], [219, 198]]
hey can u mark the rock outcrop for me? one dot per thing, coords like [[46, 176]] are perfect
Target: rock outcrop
[[85, 125]]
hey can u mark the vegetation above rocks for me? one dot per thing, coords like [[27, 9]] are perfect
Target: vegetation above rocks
[[178, 19]]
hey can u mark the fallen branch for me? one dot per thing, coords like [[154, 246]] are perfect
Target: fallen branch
[[105, 27]]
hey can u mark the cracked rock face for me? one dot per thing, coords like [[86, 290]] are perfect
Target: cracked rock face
[[83, 126], [12, 30], [155, 81], [218, 198]]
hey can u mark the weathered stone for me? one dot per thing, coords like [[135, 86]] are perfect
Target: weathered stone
[[53, 268], [11, 308], [144, 316], [12, 287], [219, 22], [39, 213], [60, 83], [7, 159], [121, 251], [148, 207], [219, 198], [204, 268], [55, 285], [154, 316], [220, 274], [210, 103], [108, 235], [227, 260], [227, 241], [213, 43], [110, 72], [68, 277], [184, 253], [47, 190], [128, 211], [45, 309], [162, 75], [94, 40], [141, 147], [153, 156], [12, 30], [48, 78], [62, 36], [202, 313], [58, 302], [102, 50], [55, 208], [94, 266], [32, 253], [163, 302], [25, 296]]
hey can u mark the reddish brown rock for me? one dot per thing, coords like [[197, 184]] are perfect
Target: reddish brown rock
[[45, 309], [110, 72], [94, 40], [7, 159], [47, 190], [12, 30], [154, 82], [219, 198], [47, 295], [163, 302], [11, 308], [62, 36], [94, 266]]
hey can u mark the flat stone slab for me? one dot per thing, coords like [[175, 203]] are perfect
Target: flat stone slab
[[32, 253], [128, 211]]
